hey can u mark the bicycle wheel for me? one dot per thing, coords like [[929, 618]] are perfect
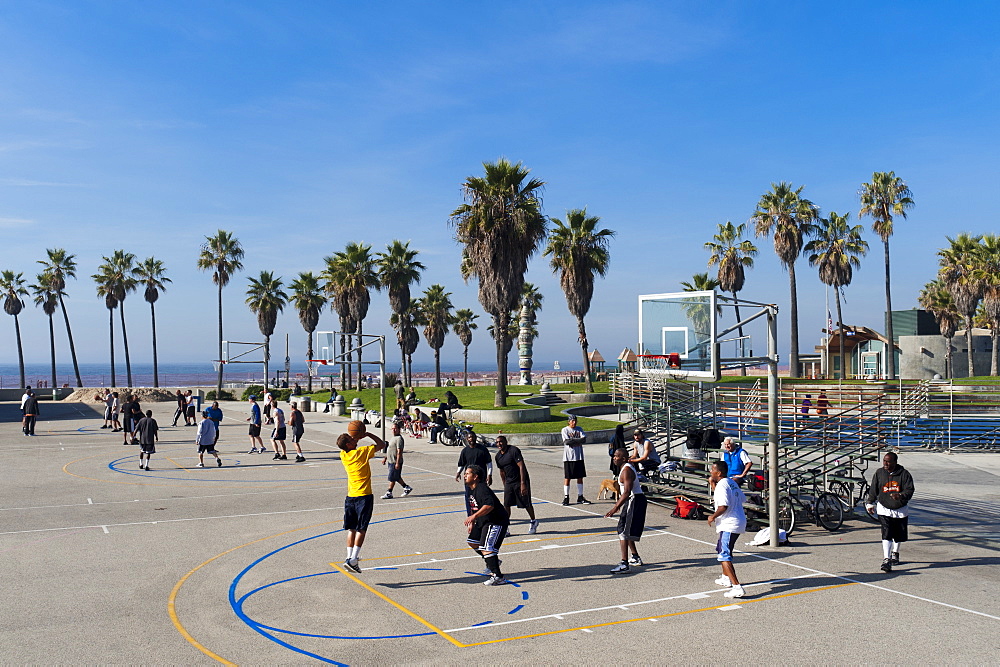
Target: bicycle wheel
[[786, 515], [844, 493], [829, 511], [448, 437]]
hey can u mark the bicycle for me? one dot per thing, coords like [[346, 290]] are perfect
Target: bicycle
[[823, 507], [456, 434]]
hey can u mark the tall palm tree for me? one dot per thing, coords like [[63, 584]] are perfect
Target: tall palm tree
[[308, 299], [886, 196], [116, 272], [266, 299], [436, 307], [733, 254], [397, 269], [47, 298], [221, 254], [463, 325], [936, 299], [836, 250], [12, 287], [990, 261], [965, 278], [579, 251], [500, 228], [150, 272], [405, 324], [699, 313], [61, 265], [334, 277], [788, 216], [355, 270], [105, 279]]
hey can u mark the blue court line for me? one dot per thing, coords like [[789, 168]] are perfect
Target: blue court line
[[524, 595], [436, 569], [516, 609], [387, 568], [476, 625], [190, 478]]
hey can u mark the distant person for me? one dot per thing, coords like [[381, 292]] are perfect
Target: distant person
[[806, 404], [181, 410], [573, 438], [278, 434], [888, 496], [148, 431], [449, 403], [617, 442], [400, 399], [487, 523], [474, 454], [394, 460], [128, 424], [215, 414], [116, 407], [297, 422], [516, 483], [732, 521], [297, 391], [822, 404], [255, 421], [411, 398], [29, 408], [109, 402], [360, 500], [438, 424], [205, 439], [737, 460], [632, 503], [189, 409], [645, 458], [24, 397], [268, 406]]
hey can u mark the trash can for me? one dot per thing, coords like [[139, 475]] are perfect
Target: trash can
[[305, 403]]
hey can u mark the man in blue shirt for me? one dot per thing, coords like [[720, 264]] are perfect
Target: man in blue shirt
[[215, 414], [254, 420], [737, 461]]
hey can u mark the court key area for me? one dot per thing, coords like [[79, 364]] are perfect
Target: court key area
[[108, 563]]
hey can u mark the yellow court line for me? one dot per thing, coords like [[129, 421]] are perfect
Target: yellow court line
[[176, 463], [400, 607], [647, 618]]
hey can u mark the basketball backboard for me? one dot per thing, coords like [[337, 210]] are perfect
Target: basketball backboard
[[677, 334]]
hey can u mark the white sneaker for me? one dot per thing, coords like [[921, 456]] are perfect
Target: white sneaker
[[387, 495], [724, 581], [407, 490], [495, 581], [200, 465], [735, 592], [621, 568], [533, 528]]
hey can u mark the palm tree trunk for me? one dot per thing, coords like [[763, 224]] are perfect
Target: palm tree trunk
[[309, 353], [409, 369], [267, 358], [793, 328], [968, 341], [402, 353], [128, 363], [343, 365], [500, 323], [52, 353], [218, 384], [360, 369], [891, 359], [72, 346], [994, 334], [20, 351], [949, 370], [156, 370], [465, 364], [840, 325], [437, 366], [111, 322], [585, 345], [736, 307]]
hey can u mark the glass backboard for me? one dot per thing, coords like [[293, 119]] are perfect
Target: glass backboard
[[677, 334]]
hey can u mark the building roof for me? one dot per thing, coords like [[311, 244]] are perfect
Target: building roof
[[595, 355], [627, 355]]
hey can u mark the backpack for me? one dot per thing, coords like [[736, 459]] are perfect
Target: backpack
[[686, 508]]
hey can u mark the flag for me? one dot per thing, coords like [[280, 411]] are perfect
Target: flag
[[829, 321]]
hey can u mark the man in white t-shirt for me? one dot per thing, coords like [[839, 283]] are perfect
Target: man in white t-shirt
[[573, 438], [732, 521]]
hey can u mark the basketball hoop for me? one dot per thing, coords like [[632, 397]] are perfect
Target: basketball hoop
[[216, 364]]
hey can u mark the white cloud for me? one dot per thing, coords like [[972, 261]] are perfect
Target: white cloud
[[15, 222]]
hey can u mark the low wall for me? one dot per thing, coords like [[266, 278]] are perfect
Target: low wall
[[517, 416]]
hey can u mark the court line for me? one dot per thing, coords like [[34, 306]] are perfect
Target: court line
[[176, 464], [398, 606]]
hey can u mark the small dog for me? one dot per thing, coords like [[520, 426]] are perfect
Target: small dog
[[609, 490]]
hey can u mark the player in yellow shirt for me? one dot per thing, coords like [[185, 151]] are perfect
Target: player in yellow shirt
[[360, 499]]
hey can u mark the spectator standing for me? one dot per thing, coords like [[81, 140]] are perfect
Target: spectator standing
[[108, 401], [400, 399], [189, 409], [617, 442], [732, 521], [573, 438], [297, 421], [268, 406], [888, 496], [29, 408], [116, 408], [394, 459], [148, 432]]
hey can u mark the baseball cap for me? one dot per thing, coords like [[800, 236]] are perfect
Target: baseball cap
[[253, 397]]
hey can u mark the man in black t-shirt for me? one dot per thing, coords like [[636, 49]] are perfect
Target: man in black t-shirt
[[516, 484], [487, 523], [148, 432], [474, 454]]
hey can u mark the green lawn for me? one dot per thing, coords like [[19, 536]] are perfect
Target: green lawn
[[473, 398]]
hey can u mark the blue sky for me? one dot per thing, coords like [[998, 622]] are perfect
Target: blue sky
[[303, 126]]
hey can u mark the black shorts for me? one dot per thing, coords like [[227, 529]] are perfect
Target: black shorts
[[278, 434], [297, 434], [358, 512], [633, 518], [190, 411], [487, 536], [148, 447], [893, 529], [254, 430], [207, 448], [574, 470], [512, 496], [394, 474]]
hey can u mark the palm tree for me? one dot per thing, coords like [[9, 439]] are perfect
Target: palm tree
[[789, 216], [150, 273], [734, 255], [266, 299], [333, 276], [12, 286], [308, 299], [47, 297], [886, 196], [699, 312], [354, 268], [397, 269], [964, 277], [936, 299], [116, 273], [578, 251], [405, 324], [435, 306], [107, 289], [463, 325], [60, 266], [990, 260], [221, 254], [500, 227], [836, 250]]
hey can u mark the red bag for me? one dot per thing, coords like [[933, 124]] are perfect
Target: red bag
[[686, 508], [756, 482]]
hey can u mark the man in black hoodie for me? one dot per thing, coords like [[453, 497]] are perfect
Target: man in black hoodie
[[890, 492]]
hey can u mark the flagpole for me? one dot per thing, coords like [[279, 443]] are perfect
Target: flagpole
[[828, 334]]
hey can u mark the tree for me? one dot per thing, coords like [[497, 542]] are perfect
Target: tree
[[266, 299], [500, 227], [308, 299], [836, 250], [936, 299], [60, 266], [733, 254], [435, 306], [964, 277], [47, 298], [106, 289], [788, 216], [116, 275], [397, 269], [463, 325], [990, 261], [354, 271], [12, 286], [405, 324], [886, 196], [150, 272], [221, 254], [579, 251], [334, 276], [527, 331], [698, 312]]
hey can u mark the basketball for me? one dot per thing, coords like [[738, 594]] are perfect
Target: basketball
[[356, 429]]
